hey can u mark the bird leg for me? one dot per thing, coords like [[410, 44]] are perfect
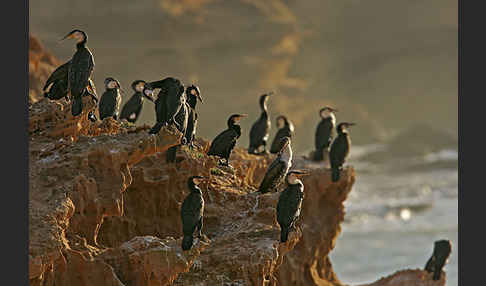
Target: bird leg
[[200, 226]]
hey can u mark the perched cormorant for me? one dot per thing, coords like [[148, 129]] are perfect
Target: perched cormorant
[[224, 143], [181, 118], [442, 250], [132, 108], [323, 137], [80, 70], [277, 171], [286, 129], [168, 102], [110, 100], [259, 131], [290, 203], [193, 94], [340, 149], [192, 212]]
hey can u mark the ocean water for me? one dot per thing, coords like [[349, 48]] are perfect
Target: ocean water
[[395, 212]]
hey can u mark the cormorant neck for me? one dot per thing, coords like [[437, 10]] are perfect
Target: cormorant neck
[[294, 182], [286, 154], [263, 106], [82, 44], [193, 187]]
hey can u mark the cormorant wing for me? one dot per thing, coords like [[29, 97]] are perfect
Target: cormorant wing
[[339, 151], [323, 134], [81, 68], [274, 172], [191, 212], [132, 106], [59, 73], [259, 130], [288, 207], [224, 141]]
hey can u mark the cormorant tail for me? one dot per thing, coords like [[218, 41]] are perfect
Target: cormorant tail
[[77, 106], [187, 242], [171, 154], [251, 150], [436, 274], [284, 234], [156, 128], [335, 174], [318, 155]]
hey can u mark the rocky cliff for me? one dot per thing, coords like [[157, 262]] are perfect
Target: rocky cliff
[[104, 210]]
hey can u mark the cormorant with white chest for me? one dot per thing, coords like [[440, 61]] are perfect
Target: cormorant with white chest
[[80, 70], [323, 136], [169, 100], [286, 129], [132, 108], [193, 95], [278, 169], [225, 142], [442, 251], [340, 149], [259, 131], [110, 100], [290, 203], [192, 212]]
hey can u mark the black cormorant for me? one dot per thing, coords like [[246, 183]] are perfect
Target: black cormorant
[[110, 100], [277, 171], [442, 250], [340, 149], [290, 203], [259, 131], [80, 70], [192, 212], [132, 108], [286, 129], [224, 143], [187, 120], [193, 94], [323, 137], [168, 102]]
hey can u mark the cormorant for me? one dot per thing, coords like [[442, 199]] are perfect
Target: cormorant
[[442, 250], [181, 118], [224, 143], [192, 212], [132, 108], [286, 129], [323, 137], [259, 131], [340, 149], [110, 100], [290, 203], [277, 171], [189, 109], [193, 94], [80, 70], [168, 102]]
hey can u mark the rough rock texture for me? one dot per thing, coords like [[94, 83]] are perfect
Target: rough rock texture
[[104, 209], [410, 277]]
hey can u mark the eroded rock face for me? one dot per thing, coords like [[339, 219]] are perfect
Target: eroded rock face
[[415, 277], [104, 209]]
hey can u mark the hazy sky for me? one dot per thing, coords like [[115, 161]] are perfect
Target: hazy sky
[[384, 64]]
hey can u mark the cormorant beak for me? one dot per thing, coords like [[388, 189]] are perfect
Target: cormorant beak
[[68, 36], [350, 124], [199, 97], [270, 93], [301, 173], [333, 110], [241, 116]]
